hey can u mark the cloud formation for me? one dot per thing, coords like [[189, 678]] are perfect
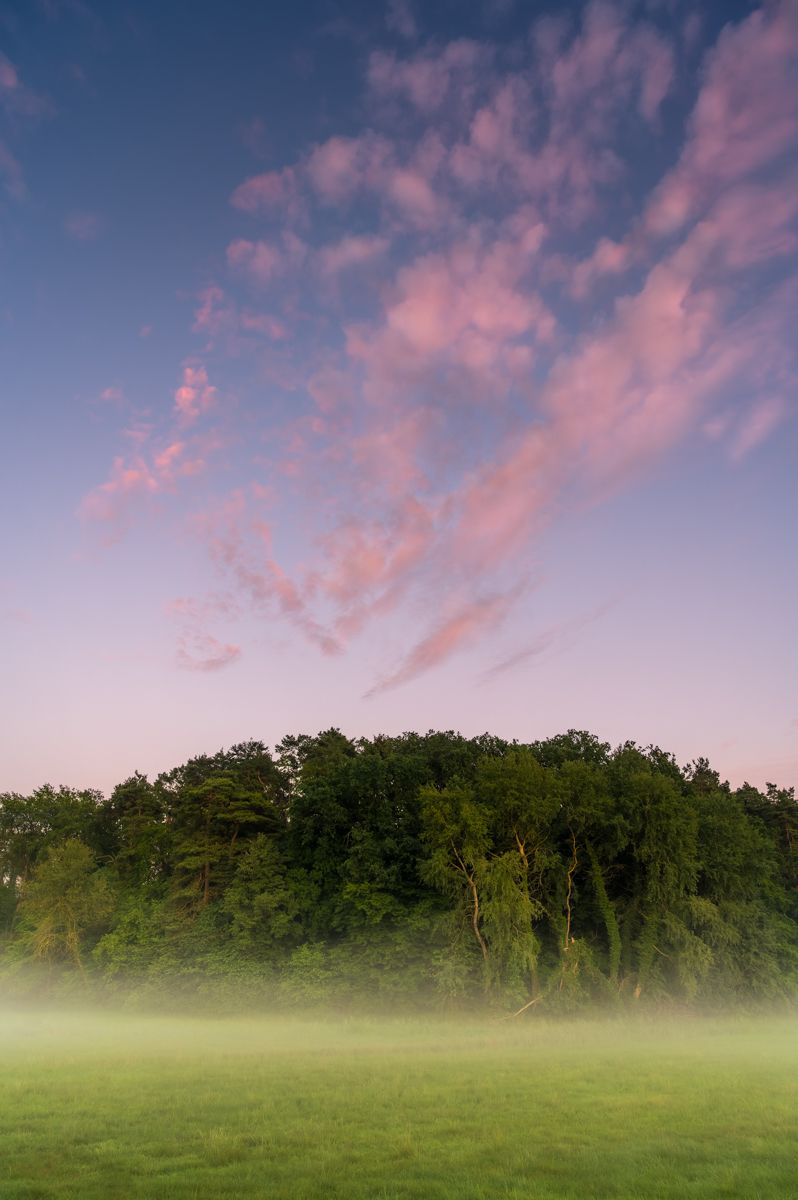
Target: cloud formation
[[203, 652], [462, 628], [158, 459], [478, 311]]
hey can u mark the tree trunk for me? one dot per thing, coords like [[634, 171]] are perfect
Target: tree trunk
[[569, 892]]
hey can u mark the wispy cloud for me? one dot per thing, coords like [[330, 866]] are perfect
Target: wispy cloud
[[158, 460], [756, 426], [351, 251], [554, 638], [112, 395], [461, 629], [434, 375], [197, 648], [203, 652], [195, 395]]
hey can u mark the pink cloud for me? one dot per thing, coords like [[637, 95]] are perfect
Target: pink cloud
[[272, 191], [263, 323], [112, 395], [757, 425], [240, 545], [557, 148], [353, 250], [107, 502], [623, 396], [618, 399], [608, 258], [140, 476], [202, 652], [737, 128], [221, 318], [464, 310], [366, 560], [167, 458], [211, 316], [559, 636], [260, 260], [496, 147], [334, 168], [746, 115], [752, 223], [411, 193], [331, 389], [425, 79], [388, 455], [609, 62], [586, 85], [198, 611], [341, 166], [195, 395], [453, 633], [197, 648], [429, 430]]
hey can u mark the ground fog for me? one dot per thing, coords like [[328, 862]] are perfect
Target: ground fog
[[107, 1105]]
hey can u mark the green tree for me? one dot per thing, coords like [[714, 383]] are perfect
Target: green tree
[[65, 900], [266, 901], [456, 842], [212, 822]]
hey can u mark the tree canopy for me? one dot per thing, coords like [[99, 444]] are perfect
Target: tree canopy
[[425, 869]]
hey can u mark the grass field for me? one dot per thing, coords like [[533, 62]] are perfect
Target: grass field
[[112, 1106]]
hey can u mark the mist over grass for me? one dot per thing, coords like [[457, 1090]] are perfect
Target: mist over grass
[[110, 1105], [263, 996]]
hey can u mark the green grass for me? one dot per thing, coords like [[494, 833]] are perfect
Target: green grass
[[112, 1106]]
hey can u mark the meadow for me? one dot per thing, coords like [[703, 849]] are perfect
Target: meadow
[[106, 1105]]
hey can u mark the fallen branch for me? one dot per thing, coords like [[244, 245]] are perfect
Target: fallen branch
[[523, 1008]]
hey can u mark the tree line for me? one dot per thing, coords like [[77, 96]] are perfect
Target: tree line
[[420, 869]]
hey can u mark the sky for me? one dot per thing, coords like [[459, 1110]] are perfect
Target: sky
[[397, 366]]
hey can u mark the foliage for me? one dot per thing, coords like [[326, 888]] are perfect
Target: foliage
[[426, 868], [65, 899]]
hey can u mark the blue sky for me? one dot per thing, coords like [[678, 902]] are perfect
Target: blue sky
[[397, 366]]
